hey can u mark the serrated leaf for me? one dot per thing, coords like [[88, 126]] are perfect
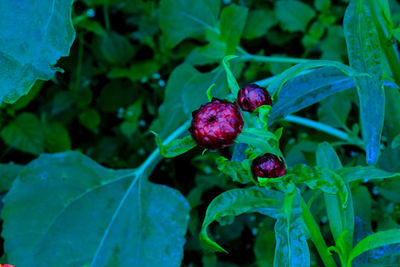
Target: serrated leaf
[[238, 201], [29, 48], [365, 55], [110, 216], [25, 133], [180, 19]]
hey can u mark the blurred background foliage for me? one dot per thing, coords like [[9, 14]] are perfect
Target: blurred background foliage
[[132, 68]]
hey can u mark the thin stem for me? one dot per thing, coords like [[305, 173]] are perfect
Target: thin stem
[[79, 65], [316, 236], [268, 59], [324, 128], [106, 17]]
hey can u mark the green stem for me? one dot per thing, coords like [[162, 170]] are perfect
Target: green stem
[[106, 17], [79, 65], [154, 158], [268, 59], [316, 236], [325, 128]]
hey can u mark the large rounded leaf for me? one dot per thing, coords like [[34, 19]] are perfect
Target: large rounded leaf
[[34, 34], [66, 210]]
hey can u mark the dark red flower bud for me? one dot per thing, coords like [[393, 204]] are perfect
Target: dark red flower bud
[[216, 124], [268, 166], [253, 96]]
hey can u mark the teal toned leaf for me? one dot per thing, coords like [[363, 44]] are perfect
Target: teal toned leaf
[[396, 142], [29, 48], [25, 133], [375, 241], [176, 147], [232, 22], [365, 55], [185, 92], [180, 19], [8, 173], [293, 15], [110, 216], [236, 202], [291, 248], [303, 90], [335, 109]]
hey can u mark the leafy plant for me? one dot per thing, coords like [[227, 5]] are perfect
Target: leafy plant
[[298, 136]]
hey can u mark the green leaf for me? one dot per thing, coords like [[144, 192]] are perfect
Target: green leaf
[[136, 71], [112, 217], [232, 22], [323, 179], [335, 109], [116, 49], [258, 23], [261, 140], [374, 241], [238, 201], [291, 241], [176, 147], [33, 36], [396, 142], [233, 169], [341, 217], [90, 118], [185, 92], [56, 137], [293, 15], [116, 94], [8, 173], [230, 78], [365, 55], [365, 174], [25, 133], [180, 19]]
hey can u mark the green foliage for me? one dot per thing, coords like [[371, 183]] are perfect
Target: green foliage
[[293, 15], [31, 47], [97, 203], [365, 55]]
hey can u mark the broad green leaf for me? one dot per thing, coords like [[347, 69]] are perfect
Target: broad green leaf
[[305, 89], [392, 113], [185, 92], [374, 241], [291, 248], [112, 217], [258, 23], [136, 71], [365, 173], [341, 217], [263, 250], [8, 173], [176, 147], [180, 19], [365, 55], [33, 36], [25, 133], [235, 202], [293, 15], [232, 22], [207, 54], [116, 49], [56, 137], [90, 118], [335, 109]]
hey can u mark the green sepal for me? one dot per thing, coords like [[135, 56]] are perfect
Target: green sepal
[[176, 147]]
